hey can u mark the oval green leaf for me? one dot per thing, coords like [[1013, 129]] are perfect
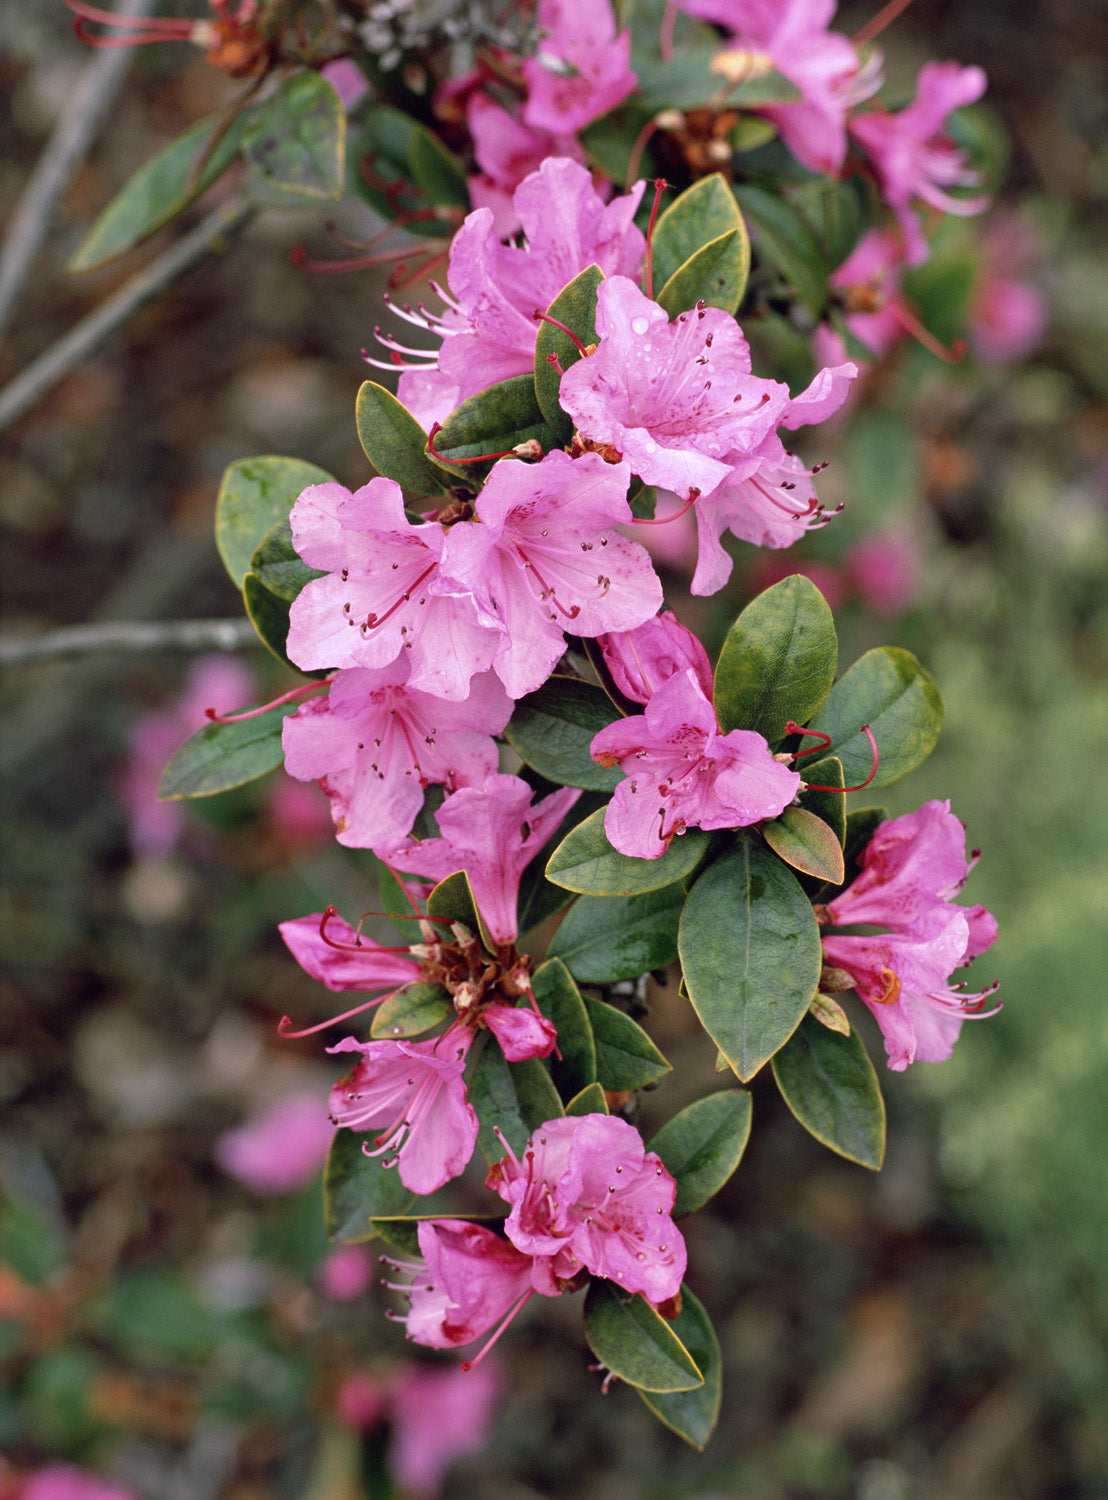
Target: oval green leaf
[[828, 805], [778, 660], [358, 1188], [269, 615], [692, 1415], [296, 140], [221, 756], [411, 1011], [716, 275], [515, 1097], [551, 731], [452, 900], [699, 215], [807, 843], [703, 1144], [395, 443], [561, 1002], [585, 861], [635, 1342], [782, 236], [751, 955], [495, 420], [603, 939], [888, 690], [575, 306], [278, 566], [830, 1084], [626, 1058], [590, 1101], [254, 495]]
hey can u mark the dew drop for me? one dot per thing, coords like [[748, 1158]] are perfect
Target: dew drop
[[639, 326], [650, 445]]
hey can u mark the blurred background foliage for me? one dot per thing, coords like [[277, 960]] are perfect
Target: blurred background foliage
[[935, 1333]]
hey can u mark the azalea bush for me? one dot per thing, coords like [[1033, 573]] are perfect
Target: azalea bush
[[671, 237]]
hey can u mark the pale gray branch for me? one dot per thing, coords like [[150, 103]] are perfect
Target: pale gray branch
[[57, 361], [127, 637], [73, 135]]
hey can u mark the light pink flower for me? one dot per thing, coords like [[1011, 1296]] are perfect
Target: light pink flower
[[521, 1032], [507, 151], [681, 772], [343, 960], [588, 1196], [413, 1096], [544, 558], [280, 1149], [382, 595], [640, 660], [67, 1482], [345, 1273], [868, 284], [470, 1279], [884, 569], [361, 1401], [913, 160], [582, 69], [492, 832], [439, 1414], [375, 742]]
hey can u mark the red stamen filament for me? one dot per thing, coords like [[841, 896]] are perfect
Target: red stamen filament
[[373, 620], [884, 17], [252, 713], [143, 29], [660, 185], [332, 914], [471, 1364], [791, 728], [541, 317], [547, 592], [868, 732], [286, 1021], [694, 496], [480, 458], [912, 325]]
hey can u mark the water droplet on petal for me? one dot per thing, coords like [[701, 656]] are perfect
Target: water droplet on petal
[[639, 325]]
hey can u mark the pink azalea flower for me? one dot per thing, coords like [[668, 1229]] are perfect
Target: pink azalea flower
[[382, 595], [868, 283], [488, 331], [507, 151], [884, 570], [67, 1482], [469, 1281], [912, 868], [681, 772], [375, 743], [588, 1196], [361, 1402], [439, 1414], [640, 660], [413, 1095], [521, 1032], [345, 1273], [1007, 319], [343, 960], [492, 832], [582, 69], [911, 157], [281, 1149], [544, 558]]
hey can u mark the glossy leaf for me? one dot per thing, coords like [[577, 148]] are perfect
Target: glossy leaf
[[839, 213], [411, 1011], [830, 1084], [635, 1342], [436, 170], [278, 566], [716, 275], [751, 955], [693, 1414], [495, 420], [693, 78], [255, 494], [296, 139], [516, 1097], [698, 216], [626, 1058], [575, 306], [539, 899], [561, 1002], [703, 1144], [888, 690], [357, 1188], [605, 938], [269, 615], [551, 731], [806, 843], [828, 805], [778, 660], [590, 1101], [394, 442], [586, 862], [452, 900], [782, 237], [221, 756], [160, 189]]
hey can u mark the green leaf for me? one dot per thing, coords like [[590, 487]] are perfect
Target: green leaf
[[635, 1342], [807, 843], [269, 615], [408, 170], [411, 1011], [703, 1144], [551, 731], [159, 190], [575, 306], [585, 861], [560, 1001], [839, 213], [888, 690], [437, 171], [783, 237], [830, 806], [829, 1083], [221, 756], [538, 898], [394, 442], [692, 79], [296, 139], [778, 660], [495, 420], [254, 495], [701, 215], [401, 1235], [278, 566], [358, 1188], [861, 825], [516, 1097], [605, 938], [692, 1415], [626, 1058], [751, 954], [452, 900], [590, 1101], [395, 903], [716, 275]]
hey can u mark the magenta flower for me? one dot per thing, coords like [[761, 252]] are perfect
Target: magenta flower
[[382, 595], [342, 960], [280, 1149], [470, 1279], [375, 743], [67, 1482], [521, 1031], [545, 559], [588, 1196], [439, 1414], [681, 772], [345, 1273], [507, 151], [492, 832], [413, 1095], [868, 284], [913, 160], [582, 67], [640, 660]]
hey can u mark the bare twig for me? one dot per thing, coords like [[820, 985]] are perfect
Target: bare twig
[[57, 361], [74, 133], [128, 637]]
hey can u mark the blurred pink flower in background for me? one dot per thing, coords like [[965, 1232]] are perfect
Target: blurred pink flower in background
[[67, 1482], [439, 1413], [280, 1149], [345, 1273], [1007, 315], [884, 571]]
